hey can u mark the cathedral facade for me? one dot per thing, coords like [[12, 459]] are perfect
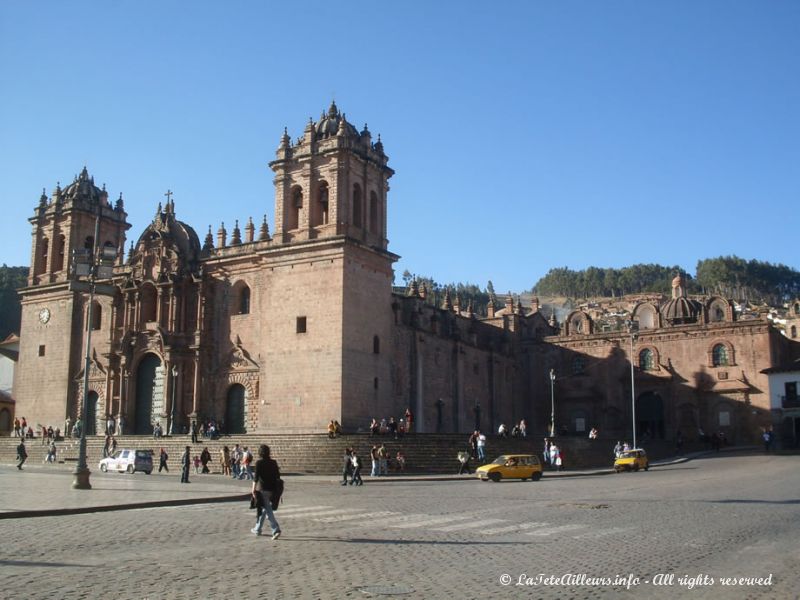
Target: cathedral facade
[[282, 331]]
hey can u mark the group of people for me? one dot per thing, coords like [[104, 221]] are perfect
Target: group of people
[[393, 427], [552, 455], [23, 430], [518, 430], [621, 448], [334, 429], [477, 445], [351, 467]]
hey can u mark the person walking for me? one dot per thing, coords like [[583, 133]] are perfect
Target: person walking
[[225, 460], [205, 458], [186, 460], [347, 466], [22, 454], [266, 485], [194, 432], [162, 461], [356, 476]]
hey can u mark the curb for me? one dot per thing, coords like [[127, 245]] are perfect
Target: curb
[[57, 512]]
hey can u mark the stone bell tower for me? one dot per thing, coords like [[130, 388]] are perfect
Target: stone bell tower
[[332, 181], [53, 313]]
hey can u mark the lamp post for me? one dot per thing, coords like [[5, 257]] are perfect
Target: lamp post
[[94, 266], [632, 331], [174, 385], [552, 403]]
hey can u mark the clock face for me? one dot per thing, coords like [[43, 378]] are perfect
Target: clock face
[[44, 315]]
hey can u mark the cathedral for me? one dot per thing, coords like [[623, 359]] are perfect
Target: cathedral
[[282, 331]]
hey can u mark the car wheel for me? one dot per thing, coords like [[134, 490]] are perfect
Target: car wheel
[[635, 467], [147, 472], [131, 469], [104, 468], [647, 468], [536, 476], [495, 477]]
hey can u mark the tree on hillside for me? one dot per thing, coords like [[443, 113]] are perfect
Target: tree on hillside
[[11, 279]]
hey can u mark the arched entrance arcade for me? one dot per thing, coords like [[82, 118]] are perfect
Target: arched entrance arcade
[[235, 409], [650, 416]]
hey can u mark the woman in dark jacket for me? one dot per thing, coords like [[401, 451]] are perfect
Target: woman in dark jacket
[[265, 485]]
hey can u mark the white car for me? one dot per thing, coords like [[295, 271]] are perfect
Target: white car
[[128, 461]]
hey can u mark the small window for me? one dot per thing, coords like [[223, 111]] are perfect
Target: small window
[[376, 345], [41, 350], [794, 331], [301, 324], [719, 356], [647, 360]]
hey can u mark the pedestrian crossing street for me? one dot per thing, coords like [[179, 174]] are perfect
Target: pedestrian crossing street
[[468, 522]]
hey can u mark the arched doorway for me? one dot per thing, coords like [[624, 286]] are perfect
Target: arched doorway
[[92, 402], [235, 410], [650, 415], [149, 394]]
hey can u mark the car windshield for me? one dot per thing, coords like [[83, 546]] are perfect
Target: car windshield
[[631, 454], [142, 454], [500, 460]]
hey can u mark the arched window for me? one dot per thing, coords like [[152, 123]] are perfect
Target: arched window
[[293, 212], [578, 365], [647, 360], [794, 332], [323, 203], [58, 257], [88, 243], [358, 219], [97, 316], [646, 316], [719, 356], [376, 345], [41, 258], [373, 212]]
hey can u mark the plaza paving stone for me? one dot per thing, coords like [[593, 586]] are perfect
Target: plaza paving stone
[[726, 515]]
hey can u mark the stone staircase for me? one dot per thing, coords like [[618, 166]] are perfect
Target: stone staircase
[[317, 454]]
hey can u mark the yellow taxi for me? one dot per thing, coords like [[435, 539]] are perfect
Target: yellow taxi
[[631, 460], [511, 466]]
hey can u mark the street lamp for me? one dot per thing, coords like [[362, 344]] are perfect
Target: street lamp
[[174, 383], [632, 330], [94, 265], [552, 403]]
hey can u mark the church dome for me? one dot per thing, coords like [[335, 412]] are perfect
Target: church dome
[[167, 231], [328, 124], [681, 310], [84, 189]]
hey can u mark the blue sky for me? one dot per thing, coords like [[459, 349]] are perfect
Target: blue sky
[[524, 135]]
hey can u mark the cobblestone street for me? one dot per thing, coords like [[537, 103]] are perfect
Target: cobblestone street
[[721, 516]]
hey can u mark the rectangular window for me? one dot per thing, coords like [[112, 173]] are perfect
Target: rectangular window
[[791, 390], [724, 418], [301, 324], [41, 350]]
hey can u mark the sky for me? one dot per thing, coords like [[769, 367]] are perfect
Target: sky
[[525, 135]]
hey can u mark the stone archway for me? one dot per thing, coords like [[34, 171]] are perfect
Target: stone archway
[[149, 394], [650, 415], [236, 409]]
